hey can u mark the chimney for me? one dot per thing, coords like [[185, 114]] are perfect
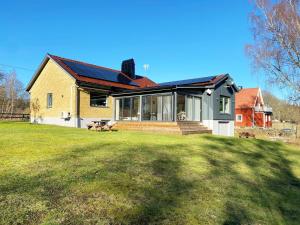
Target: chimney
[[128, 67]]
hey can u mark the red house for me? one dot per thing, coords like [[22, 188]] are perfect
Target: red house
[[250, 110]]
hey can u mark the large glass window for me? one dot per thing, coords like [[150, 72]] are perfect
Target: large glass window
[[135, 108], [154, 108], [127, 108], [167, 107], [146, 107], [180, 103], [98, 99], [157, 107], [181, 114], [224, 105], [189, 108]]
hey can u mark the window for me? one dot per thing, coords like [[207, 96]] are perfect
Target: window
[[157, 107], [49, 100], [127, 108], [98, 100], [224, 106], [239, 117]]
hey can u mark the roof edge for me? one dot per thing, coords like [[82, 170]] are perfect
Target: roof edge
[[37, 72], [41, 67]]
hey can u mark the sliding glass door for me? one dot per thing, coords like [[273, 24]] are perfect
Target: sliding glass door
[[197, 109], [153, 107], [157, 107], [166, 107], [189, 108], [127, 108], [135, 108]]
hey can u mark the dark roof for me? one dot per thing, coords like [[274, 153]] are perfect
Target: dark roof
[[188, 81], [202, 82], [93, 74], [96, 72], [98, 75], [144, 82]]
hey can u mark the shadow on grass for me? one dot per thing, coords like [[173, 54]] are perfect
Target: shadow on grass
[[138, 186], [114, 183], [273, 187]]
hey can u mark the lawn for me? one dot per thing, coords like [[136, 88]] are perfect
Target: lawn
[[55, 175]]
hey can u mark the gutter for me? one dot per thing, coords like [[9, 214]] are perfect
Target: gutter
[[157, 89]]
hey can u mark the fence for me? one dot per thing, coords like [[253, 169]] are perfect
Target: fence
[[14, 116]]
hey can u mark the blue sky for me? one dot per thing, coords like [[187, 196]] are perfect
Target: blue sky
[[178, 39]]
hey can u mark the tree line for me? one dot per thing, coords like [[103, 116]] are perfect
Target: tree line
[[283, 110], [13, 97]]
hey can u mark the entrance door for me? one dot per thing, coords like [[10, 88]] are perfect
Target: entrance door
[[193, 108], [197, 109]]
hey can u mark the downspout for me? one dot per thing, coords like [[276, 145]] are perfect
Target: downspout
[[71, 100], [77, 106]]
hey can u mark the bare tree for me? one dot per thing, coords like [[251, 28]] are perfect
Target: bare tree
[[282, 110], [12, 94], [276, 47]]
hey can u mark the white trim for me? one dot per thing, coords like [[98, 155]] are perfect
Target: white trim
[[236, 118], [259, 94], [55, 121]]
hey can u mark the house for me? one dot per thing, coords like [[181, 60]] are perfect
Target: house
[[73, 93], [250, 110]]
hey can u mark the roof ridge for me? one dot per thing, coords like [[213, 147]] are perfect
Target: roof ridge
[[89, 64]]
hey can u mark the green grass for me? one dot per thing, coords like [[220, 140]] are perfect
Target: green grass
[[55, 175]]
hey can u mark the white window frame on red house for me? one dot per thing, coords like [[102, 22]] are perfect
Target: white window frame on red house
[[237, 117]]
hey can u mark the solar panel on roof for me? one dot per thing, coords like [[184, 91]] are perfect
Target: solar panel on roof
[[98, 73], [188, 81]]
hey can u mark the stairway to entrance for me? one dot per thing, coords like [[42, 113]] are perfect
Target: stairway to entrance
[[193, 127]]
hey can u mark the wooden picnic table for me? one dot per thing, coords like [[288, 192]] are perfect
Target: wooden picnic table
[[100, 122], [99, 125]]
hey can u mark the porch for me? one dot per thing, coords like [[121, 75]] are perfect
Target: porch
[[162, 107], [180, 127], [170, 112]]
